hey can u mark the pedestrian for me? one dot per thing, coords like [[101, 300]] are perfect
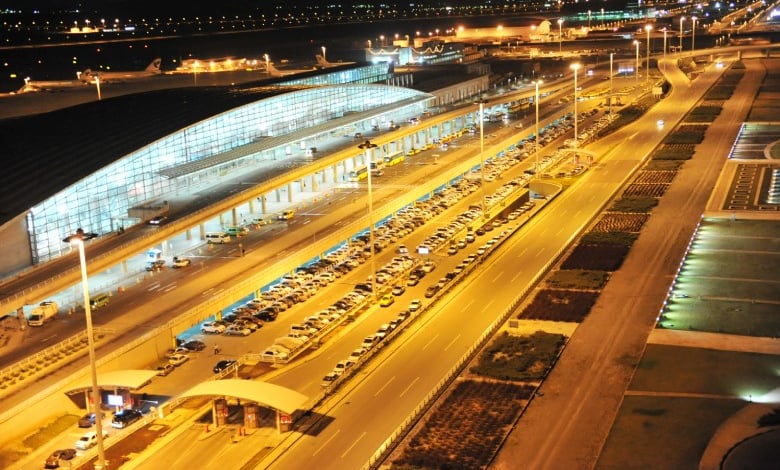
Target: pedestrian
[[216, 349]]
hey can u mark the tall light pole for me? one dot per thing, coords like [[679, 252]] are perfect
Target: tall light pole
[[648, 28], [101, 461], [611, 54], [682, 18], [97, 84], [693, 36], [323, 53], [636, 71], [195, 66], [368, 147], [536, 132], [560, 35], [482, 154], [664, 58], [588, 19], [575, 66]]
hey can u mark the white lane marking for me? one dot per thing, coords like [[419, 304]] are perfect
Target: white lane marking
[[451, 342], [353, 444], [430, 341], [488, 305], [497, 276], [326, 442], [409, 386], [384, 386]]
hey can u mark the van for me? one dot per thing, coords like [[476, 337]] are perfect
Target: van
[[217, 237], [99, 300]]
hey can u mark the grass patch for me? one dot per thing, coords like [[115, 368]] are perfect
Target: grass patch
[[559, 305], [634, 204], [674, 153], [609, 238], [706, 113], [596, 257], [519, 358], [665, 165], [578, 279], [685, 135]]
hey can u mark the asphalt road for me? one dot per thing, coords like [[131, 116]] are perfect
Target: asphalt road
[[568, 425]]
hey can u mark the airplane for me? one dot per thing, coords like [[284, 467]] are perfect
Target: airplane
[[322, 62], [274, 72], [49, 85], [90, 76]]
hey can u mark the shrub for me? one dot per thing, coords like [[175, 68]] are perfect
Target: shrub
[[609, 238], [596, 257], [559, 305], [520, 358], [634, 204]]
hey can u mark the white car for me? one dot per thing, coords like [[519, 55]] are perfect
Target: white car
[[178, 359], [415, 305], [274, 353], [213, 328], [88, 440], [237, 330]]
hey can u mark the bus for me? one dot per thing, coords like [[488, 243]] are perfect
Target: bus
[[358, 174], [377, 165], [394, 158]]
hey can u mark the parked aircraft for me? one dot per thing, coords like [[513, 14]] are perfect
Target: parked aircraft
[[89, 75], [322, 62], [49, 85], [274, 72]]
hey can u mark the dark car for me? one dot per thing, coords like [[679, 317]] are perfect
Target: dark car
[[266, 314], [88, 420], [53, 461], [125, 418], [194, 345], [223, 364]]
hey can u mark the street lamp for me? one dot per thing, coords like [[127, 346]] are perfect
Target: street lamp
[[588, 20], [100, 463], [648, 28], [195, 66], [602, 17], [693, 36], [536, 132], [323, 53], [636, 72], [664, 49], [575, 66], [368, 146], [611, 54], [682, 18], [560, 35], [482, 154]]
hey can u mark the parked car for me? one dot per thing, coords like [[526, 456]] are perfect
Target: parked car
[[179, 262], [165, 369], [237, 330], [125, 418], [415, 305], [399, 289], [89, 440], [222, 365], [178, 359], [211, 327], [328, 380], [88, 420], [194, 345], [55, 459]]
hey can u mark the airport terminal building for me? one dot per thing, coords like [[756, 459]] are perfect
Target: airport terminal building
[[136, 149]]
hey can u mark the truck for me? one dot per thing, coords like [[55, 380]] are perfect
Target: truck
[[44, 312]]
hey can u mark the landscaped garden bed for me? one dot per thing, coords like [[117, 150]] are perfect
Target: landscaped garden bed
[[559, 305]]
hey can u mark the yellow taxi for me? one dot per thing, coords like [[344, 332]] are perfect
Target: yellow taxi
[[386, 300]]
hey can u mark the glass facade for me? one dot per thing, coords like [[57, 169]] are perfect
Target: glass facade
[[101, 202]]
